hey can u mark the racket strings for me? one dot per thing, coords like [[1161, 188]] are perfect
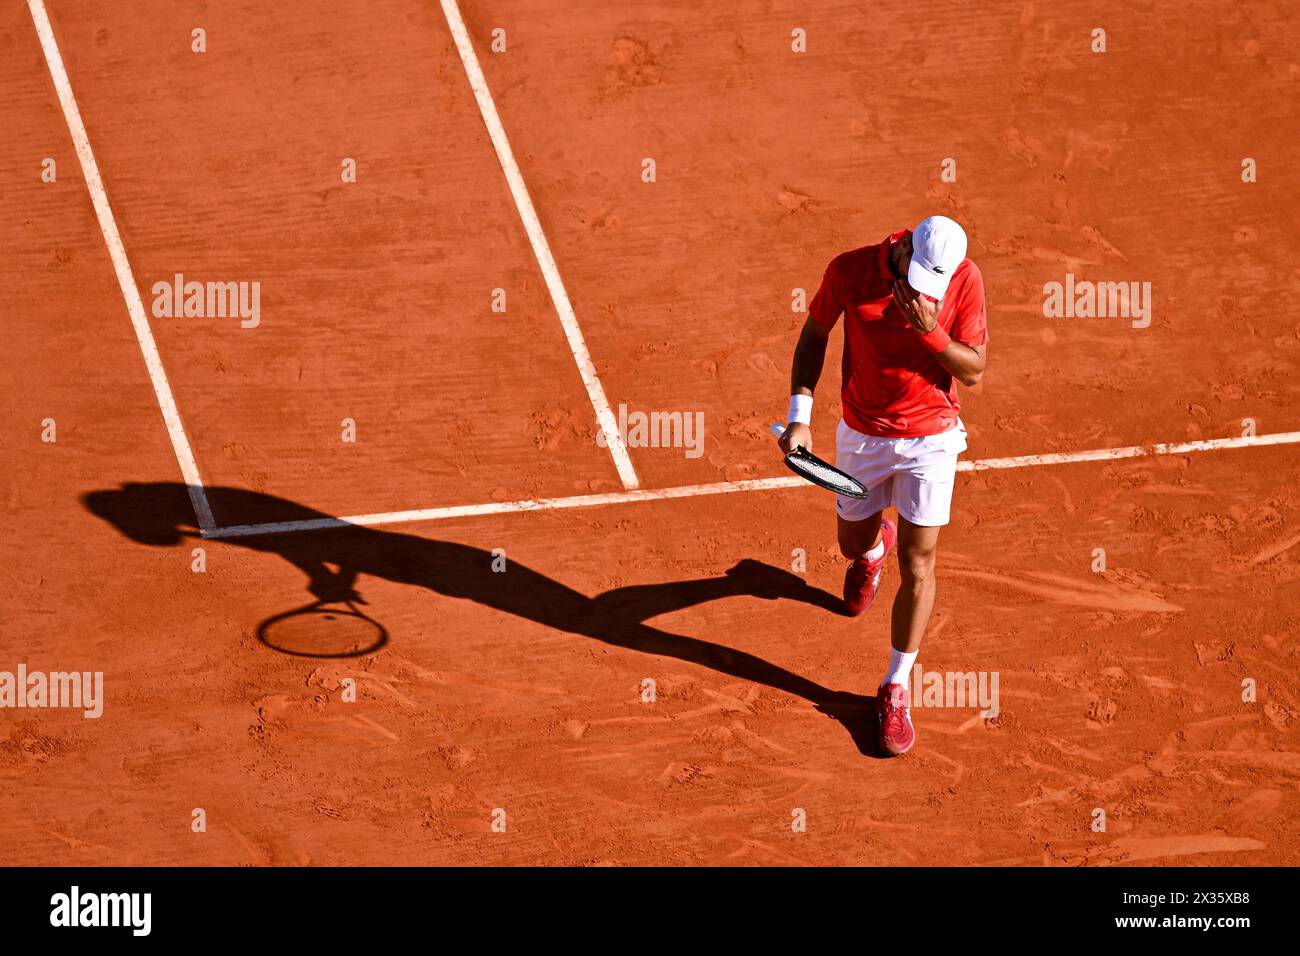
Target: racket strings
[[824, 474]]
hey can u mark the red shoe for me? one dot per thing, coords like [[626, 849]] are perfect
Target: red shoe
[[862, 579], [896, 731]]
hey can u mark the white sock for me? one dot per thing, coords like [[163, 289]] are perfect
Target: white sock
[[876, 553], [900, 667]]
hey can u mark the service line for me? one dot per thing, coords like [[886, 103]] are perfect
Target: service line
[[731, 487]]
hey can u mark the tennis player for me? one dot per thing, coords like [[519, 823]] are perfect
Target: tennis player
[[915, 324]]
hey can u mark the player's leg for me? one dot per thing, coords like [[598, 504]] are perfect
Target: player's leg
[[912, 606], [866, 543], [915, 599], [859, 539], [923, 495], [865, 535]]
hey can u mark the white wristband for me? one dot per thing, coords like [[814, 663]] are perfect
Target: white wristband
[[800, 410]]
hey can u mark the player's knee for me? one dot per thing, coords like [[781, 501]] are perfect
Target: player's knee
[[916, 565]]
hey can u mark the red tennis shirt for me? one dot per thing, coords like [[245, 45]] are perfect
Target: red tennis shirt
[[893, 386]]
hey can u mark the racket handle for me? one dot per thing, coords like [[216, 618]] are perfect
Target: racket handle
[[778, 430]]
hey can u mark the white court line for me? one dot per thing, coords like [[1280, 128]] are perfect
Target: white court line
[[125, 279], [1132, 451], [729, 487], [541, 248]]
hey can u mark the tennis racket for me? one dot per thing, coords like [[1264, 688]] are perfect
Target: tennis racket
[[811, 468], [323, 629]]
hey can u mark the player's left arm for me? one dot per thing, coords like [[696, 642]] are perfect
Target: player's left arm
[[964, 362]]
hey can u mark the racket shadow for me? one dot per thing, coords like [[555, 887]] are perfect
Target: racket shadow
[[323, 628], [159, 514]]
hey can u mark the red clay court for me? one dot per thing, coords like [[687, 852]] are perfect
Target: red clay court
[[473, 308]]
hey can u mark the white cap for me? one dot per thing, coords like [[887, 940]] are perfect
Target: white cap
[[938, 248]]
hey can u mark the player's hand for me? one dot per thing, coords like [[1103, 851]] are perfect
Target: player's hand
[[335, 588], [920, 310], [797, 435]]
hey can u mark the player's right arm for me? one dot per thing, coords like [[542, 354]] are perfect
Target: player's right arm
[[810, 355], [805, 371]]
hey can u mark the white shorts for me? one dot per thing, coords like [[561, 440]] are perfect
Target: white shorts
[[915, 475]]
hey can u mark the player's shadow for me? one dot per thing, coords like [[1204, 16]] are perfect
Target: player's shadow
[[160, 514]]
